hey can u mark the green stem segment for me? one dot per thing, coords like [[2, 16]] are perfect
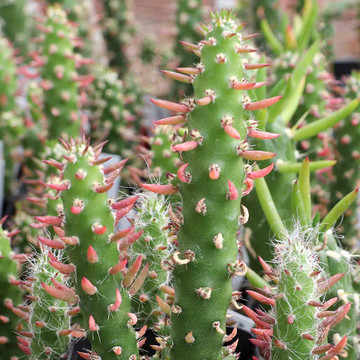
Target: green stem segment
[[211, 185], [89, 229]]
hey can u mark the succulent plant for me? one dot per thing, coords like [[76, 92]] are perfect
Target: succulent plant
[[299, 322], [104, 305], [10, 294], [118, 29], [46, 335], [8, 82], [347, 170], [60, 81], [14, 23], [213, 177], [152, 219]]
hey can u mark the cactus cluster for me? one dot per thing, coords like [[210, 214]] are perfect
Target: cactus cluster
[[299, 322], [151, 273]]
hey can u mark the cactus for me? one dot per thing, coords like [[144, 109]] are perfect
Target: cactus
[[8, 273], [13, 23], [118, 31], [58, 70], [11, 133], [311, 232], [347, 171], [8, 84], [189, 13], [335, 259], [296, 328], [110, 120], [211, 183], [35, 127], [46, 336], [277, 119], [105, 305], [152, 218]]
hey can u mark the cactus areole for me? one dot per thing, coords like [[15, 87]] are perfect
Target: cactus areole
[[211, 187]]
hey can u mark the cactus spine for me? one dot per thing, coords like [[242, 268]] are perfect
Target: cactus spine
[[103, 291], [211, 183]]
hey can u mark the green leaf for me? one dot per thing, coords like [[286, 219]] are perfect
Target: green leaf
[[294, 167], [275, 44], [338, 210], [320, 125], [310, 20], [304, 186], [298, 204], [267, 204]]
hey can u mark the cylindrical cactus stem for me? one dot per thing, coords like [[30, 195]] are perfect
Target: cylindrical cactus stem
[[60, 80], [7, 76], [47, 334], [153, 219], [118, 30], [9, 294], [335, 259], [298, 325], [91, 245], [189, 14], [109, 118], [211, 182]]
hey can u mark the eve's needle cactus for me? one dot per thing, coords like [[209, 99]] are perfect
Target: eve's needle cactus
[[153, 220], [46, 335], [60, 81], [298, 325], [211, 182], [90, 241], [10, 294]]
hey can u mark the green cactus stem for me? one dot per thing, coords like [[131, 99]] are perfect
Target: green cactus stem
[[58, 70], [311, 232], [335, 259], [211, 182], [35, 126], [12, 130], [347, 170], [47, 317], [299, 322], [152, 217], [13, 19], [110, 119], [9, 295], [91, 245], [8, 84], [118, 31]]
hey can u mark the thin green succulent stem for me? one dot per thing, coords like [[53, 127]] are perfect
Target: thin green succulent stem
[[59, 73], [290, 167], [320, 125], [48, 316], [112, 336], [269, 208]]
